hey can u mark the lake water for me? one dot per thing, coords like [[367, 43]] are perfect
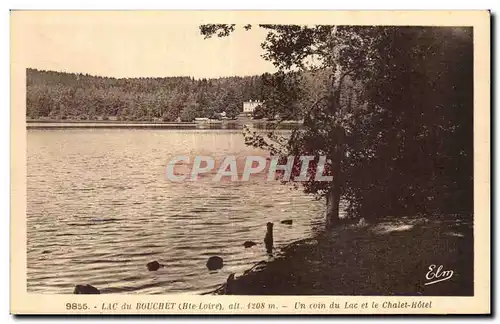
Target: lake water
[[100, 207]]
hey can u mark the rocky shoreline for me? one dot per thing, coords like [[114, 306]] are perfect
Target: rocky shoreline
[[390, 257]]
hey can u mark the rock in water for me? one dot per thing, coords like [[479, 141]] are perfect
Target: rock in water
[[287, 222], [86, 290], [249, 244], [153, 266], [215, 263]]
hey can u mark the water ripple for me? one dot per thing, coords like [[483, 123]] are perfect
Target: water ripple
[[100, 208]]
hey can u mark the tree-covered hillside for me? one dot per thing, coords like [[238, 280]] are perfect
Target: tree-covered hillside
[[80, 96]]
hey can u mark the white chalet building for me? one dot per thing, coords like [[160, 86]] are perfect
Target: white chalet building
[[249, 106]]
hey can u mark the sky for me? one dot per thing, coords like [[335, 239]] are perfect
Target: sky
[[126, 44]]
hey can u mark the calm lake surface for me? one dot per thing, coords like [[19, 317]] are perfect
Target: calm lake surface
[[100, 207]]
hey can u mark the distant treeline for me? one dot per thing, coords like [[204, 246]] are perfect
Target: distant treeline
[[71, 96], [81, 96]]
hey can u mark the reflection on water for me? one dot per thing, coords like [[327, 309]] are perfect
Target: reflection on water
[[100, 207]]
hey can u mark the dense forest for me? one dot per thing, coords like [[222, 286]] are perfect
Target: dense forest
[[81, 96], [59, 95]]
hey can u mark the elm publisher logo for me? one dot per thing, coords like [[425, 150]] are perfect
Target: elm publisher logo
[[437, 274], [241, 168]]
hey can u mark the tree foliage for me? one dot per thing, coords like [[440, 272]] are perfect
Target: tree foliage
[[391, 108], [418, 130]]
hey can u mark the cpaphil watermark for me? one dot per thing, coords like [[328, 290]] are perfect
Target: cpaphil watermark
[[237, 168]]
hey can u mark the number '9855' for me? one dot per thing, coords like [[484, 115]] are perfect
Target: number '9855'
[[76, 306]]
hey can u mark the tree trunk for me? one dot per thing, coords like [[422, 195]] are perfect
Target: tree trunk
[[332, 205], [333, 196]]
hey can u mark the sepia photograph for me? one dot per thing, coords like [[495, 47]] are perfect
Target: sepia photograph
[[185, 154]]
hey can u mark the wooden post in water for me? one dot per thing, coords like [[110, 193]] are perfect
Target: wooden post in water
[[268, 239]]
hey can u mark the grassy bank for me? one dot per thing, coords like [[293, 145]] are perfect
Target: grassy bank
[[240, 120], [387, 258], [229, 124], [97, 121]]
